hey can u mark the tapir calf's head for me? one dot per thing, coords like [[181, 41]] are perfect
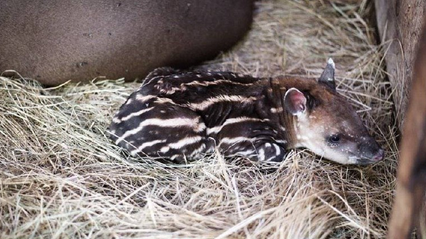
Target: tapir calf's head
[[325, 123]]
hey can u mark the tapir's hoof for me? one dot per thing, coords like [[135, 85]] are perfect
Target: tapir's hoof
[[55, 41]]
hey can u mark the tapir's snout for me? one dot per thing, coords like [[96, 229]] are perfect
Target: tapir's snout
[[370, 152], [379, 155]]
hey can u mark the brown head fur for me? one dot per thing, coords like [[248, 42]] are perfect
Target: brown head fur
[[324, 121]]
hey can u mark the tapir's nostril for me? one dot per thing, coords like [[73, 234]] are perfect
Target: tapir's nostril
[[379, 155]]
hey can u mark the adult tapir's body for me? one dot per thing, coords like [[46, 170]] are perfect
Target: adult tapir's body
[[54, 41], [180, 115]]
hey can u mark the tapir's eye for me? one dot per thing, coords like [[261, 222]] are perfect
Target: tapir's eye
[[334, 138]]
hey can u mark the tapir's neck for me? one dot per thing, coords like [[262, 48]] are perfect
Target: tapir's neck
[[285, 119]]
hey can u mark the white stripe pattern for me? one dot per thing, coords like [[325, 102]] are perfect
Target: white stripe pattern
[[165, 149], [216, 82], [127, 117], [277, 149], [146, 144], [164, 101], [142, 98], [145, 83], [235, 140], [244, 153], [185, 141], [277, 110], [200, 127], [198, 150], [129, 101], [175, 156], [281, 141], [175, 122], [229, 121], [172, 90], [261, 154], [221, 98]]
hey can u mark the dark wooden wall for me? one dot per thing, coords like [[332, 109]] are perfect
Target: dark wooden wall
[[400, 23]]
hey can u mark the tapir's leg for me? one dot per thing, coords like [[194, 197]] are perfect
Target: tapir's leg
[[159, 129], [258, 150], [251, 139]]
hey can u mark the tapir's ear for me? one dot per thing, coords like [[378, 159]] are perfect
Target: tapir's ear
[[327, 76], [295, 101]]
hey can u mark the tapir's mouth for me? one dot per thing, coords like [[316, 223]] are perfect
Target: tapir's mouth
[[370, 159], [364, 161]]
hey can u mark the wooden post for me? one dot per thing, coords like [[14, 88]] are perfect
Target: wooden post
[[411, 178], [399, 23]]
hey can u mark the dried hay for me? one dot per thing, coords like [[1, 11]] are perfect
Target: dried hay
[[62, 178]]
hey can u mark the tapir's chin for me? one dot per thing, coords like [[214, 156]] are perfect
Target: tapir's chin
[[358, 154]]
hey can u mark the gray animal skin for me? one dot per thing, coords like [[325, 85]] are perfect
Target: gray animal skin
[[54, 41]]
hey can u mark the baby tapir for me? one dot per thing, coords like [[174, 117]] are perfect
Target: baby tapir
[[180, 115]]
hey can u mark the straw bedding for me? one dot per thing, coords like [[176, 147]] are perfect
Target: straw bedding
[[62, 178]]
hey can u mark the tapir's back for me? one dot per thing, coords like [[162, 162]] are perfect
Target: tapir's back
[[192, 112], [197, 87], [215, 96]]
